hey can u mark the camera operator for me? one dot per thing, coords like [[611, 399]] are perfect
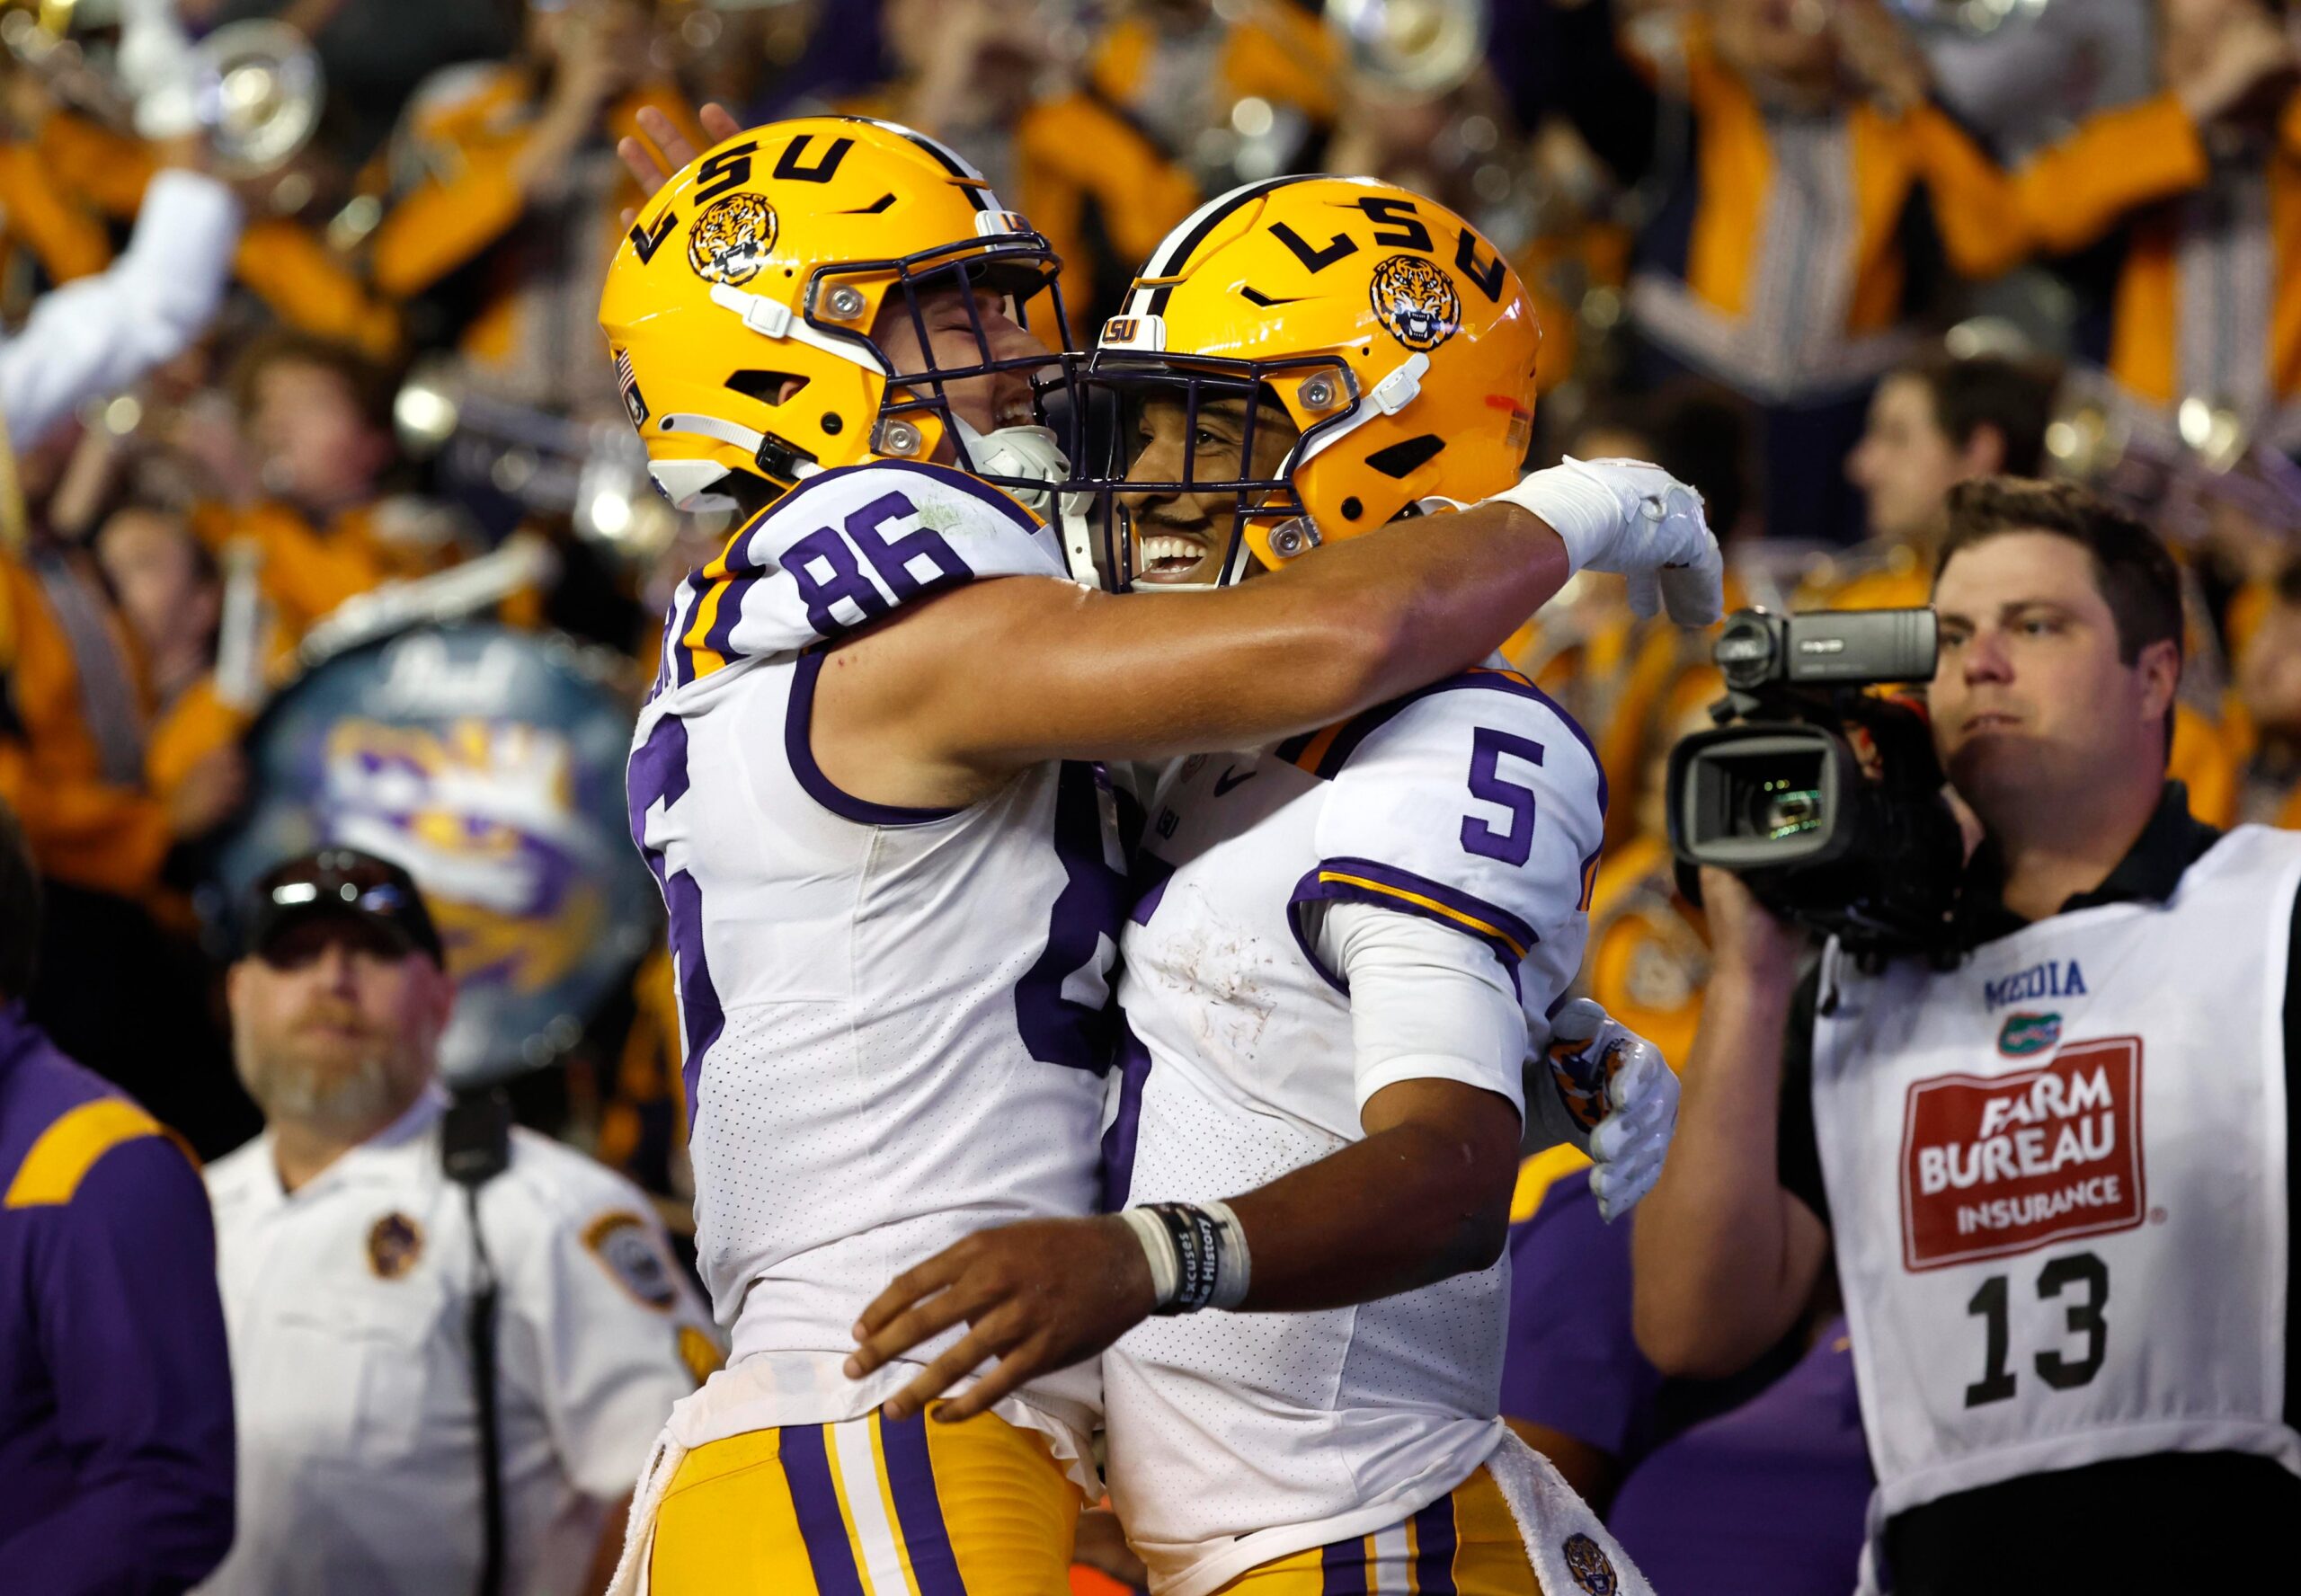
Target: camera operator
[[2051, 1165]]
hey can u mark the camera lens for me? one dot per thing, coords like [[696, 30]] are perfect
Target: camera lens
[[1777, 808]]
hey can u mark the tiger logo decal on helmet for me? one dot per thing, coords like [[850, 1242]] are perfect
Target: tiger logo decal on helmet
[[732, 239], [1415, 302]]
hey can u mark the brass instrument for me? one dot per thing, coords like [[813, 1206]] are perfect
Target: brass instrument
[[1413, 49], [2181, 470], [595, 472], [254, 88], [1974, 18]]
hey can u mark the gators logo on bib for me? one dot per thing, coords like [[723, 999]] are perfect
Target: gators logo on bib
[[732, 239], [2026, 1033], [1415, 302], [1592, 1570]]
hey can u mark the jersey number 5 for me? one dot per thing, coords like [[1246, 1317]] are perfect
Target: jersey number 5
[[1515, 844]]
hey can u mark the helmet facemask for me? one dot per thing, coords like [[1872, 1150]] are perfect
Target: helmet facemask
[[1267, 521], [1019, 453]]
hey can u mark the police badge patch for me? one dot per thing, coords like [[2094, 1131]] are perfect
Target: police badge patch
[[732, 238], [394, 1244], [627, 1252], [1592, 1570], [1415, 302]]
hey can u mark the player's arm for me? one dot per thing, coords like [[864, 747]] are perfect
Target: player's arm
[[1725, 1258], [1076, 674]]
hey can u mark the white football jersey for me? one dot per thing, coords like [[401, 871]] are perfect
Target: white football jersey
[[1477, 802], [2058, 1187], [894, 1018]]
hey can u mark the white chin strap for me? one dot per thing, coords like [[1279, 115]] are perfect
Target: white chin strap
[[1011, 452]]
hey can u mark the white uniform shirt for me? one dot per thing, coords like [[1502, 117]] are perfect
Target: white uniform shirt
[[2058, 1184], [346, 1303], [1476, 804], [893, 1017], [99, 335]]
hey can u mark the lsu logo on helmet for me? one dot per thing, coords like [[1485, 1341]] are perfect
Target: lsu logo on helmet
[[1415, 302], [1592, 1570], [732, 238]]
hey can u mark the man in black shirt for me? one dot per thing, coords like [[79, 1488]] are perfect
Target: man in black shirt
[[2054, 1179]]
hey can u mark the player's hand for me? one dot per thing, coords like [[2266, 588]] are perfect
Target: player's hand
[[1038, 1297], [652, 160], [1621, 1095], [1638, 522]]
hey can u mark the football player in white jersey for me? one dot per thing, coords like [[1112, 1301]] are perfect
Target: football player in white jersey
[[894, 889], [1345, 942]]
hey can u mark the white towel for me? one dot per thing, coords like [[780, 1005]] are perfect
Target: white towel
[[1572, 1552]]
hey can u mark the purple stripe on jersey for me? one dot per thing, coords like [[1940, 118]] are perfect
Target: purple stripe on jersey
[[698, 998], [1151, 874], [1118, 1141], [798, 719], [1433, 1549], [806, 1466], [919, 1511], [1342, 1568], [1511, 927], [1310, 890]]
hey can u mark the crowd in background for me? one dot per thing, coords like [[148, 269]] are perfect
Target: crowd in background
[[1824, 258]]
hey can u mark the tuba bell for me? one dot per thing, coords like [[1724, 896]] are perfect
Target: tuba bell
[[254, 88], [1974, 18], [1415, 49]]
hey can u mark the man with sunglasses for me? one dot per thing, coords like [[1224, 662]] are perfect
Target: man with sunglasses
[[896, 887], [1345, 942], [351, 1263]]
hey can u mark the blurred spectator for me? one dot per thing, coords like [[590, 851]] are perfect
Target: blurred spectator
[[1932, 424], [2269, 698], [1181, 99], [316, 418], [102, 332], [115, 1389], [378, 1300], [964, 71], [506, 202], [2192, 283], [1786, 244]]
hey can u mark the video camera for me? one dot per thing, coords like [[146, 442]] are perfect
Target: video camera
[[1855, 842]]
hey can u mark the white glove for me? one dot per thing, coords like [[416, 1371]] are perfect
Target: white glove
[[1638, 522], [1616, 1099]]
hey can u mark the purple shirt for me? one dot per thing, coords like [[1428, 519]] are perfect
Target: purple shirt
[[1571, 1364], [1768, 1500], [115, 1386]]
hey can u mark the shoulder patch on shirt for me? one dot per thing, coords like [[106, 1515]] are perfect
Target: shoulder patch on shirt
[[394, 1242], [627, 1252], [60, 1159]]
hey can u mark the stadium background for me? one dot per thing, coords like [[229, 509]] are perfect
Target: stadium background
[[375, 561]]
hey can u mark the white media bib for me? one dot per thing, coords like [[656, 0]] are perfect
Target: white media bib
[[2056, 1179]]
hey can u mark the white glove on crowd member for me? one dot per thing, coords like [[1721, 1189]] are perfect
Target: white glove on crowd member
[[1616, 1099], [1638, 522]]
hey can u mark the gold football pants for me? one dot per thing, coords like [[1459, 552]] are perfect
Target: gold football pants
[[868, 1508], [1464, 1544]]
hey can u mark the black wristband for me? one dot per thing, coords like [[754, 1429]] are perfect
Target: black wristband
[[1198, 1253]]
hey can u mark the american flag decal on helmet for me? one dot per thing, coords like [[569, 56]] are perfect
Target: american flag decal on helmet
[[629, 383]]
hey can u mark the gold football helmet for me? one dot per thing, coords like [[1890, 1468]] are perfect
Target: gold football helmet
[[1395, 340], [741, 306]]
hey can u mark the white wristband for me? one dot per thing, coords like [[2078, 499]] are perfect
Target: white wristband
[[1159, 1247], [1238, 1269]]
